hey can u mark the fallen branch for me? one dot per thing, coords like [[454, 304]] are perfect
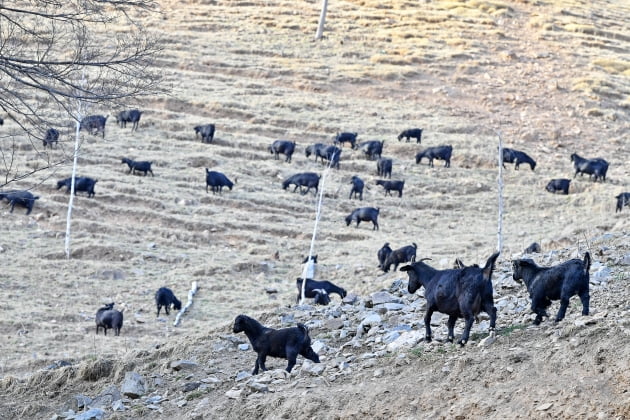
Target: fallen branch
[[191, 293]]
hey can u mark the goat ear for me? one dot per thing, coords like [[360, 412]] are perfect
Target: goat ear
[[487, 270], [405, 268]]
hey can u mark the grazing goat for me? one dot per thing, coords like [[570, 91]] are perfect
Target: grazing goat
[[436, 152], [390, 186], [623, 199], [285, 343], [323, 288], [206, 131], [411, 133], [140, 166], [459, 293], [165, 297], [559, 184], [284, 147], [372, 148], [130, 115], [399, 256], [364, 214], [81, 183], [217, 181], [22, 197], [332, 154], [382, 255], [342, 138], [558, 282], [51, 136], [517, 157], [597, 167], [317, 150], [304, 179], [357, 187], [384, 167], [109, 318], [93, 124], [533, 248]]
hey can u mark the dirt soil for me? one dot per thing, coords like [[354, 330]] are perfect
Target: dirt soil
[[550, 78]]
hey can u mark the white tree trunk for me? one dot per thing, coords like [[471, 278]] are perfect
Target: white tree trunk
[[74, 173], [322, 20], [191, 294]]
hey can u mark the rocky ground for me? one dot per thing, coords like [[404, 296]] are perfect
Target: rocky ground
[[551, 78]]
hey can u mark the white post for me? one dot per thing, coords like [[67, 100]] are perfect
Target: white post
[[322, 20], [500, 185], [317, 217]]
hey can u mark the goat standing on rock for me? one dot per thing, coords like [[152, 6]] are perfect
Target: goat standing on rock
[[286, 342], [459, 293], [558, 282]]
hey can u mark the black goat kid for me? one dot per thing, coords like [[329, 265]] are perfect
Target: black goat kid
[[286, 342]]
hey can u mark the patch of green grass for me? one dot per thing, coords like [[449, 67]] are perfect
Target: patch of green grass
[[193, 395], [509, 330]]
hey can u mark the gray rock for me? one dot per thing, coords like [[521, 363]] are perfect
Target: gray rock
[[312, 368], [350, 299], [106, 398], [118, 406], [91, 414], [242, 375], [318, 346], [178, 365], [382, 297], [133, 386], [258, 387], [190, 386], [243, 346]]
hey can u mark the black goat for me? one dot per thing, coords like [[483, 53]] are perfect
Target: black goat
[[140, 166], [372, 148], [81, 183], [342, 138], [364, 214], [436, 152], [517, 157], [399, 256], [130, 115], [94, 124], [411, 133], [357, 187], [384, 167], [314, 287], [304, 179], [51, 136], [286, 342], [623, 199], [534, 247], [317, 150], [561, 281], [459, 293], [593, 167], [390, 186], [206, 131], [21, 197], [559, 184], [382, 255], [165, 297], [284, 147], [217, 181], [109, 318]]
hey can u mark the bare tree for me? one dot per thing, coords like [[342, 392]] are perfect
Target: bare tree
[[55, 54]]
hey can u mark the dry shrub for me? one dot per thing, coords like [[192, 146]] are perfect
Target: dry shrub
[[94, 370], [613, 66]]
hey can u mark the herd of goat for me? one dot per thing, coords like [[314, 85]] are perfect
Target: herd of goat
[[460, 292]]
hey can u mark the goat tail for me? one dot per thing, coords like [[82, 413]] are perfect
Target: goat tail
[[587, 262]]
